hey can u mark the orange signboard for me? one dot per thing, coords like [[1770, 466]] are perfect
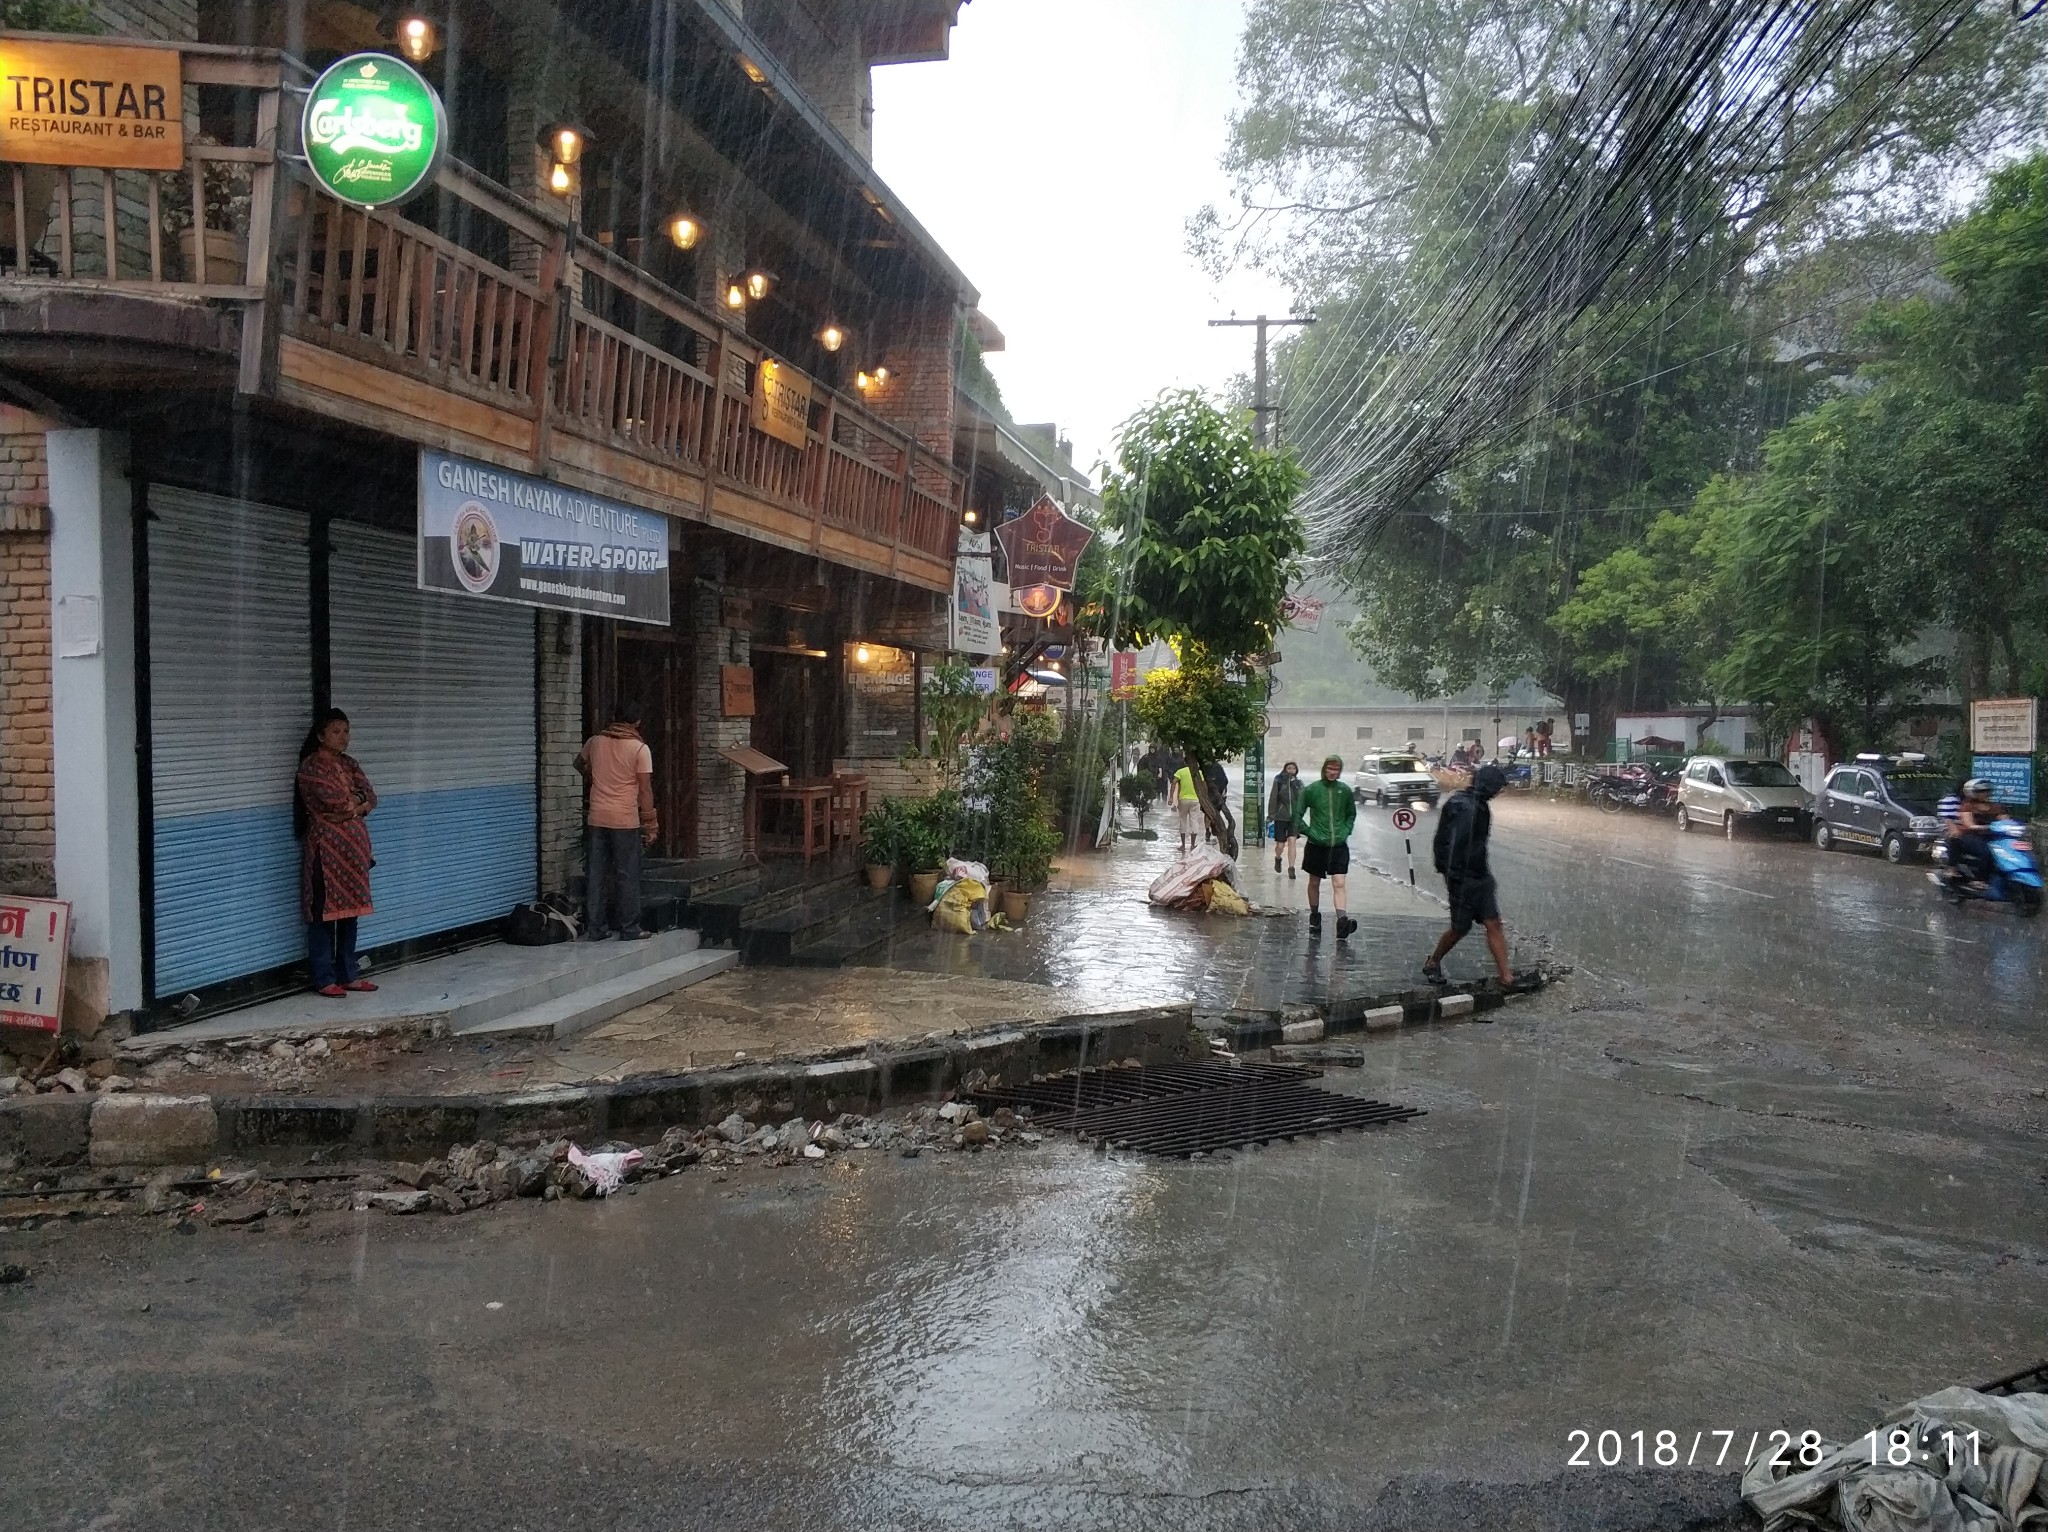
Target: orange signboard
[[91, 104], [782, 402]]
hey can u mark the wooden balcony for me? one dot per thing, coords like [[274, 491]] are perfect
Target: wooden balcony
[[515, 345]]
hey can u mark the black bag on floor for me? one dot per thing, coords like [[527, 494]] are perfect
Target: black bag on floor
[[549, 919]]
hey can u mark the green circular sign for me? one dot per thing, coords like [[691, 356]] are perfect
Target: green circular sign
[[373, 129]]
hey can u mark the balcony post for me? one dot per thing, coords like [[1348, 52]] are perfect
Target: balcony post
[[258, 361]]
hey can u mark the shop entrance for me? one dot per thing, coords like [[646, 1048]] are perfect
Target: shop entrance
[[796, 710], [649, 667]]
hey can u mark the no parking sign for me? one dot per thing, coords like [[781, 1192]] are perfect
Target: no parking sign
[[1404, 819]]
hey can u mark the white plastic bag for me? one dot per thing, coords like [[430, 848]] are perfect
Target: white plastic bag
[[957, 869], [1179, 881], [606, 1173]]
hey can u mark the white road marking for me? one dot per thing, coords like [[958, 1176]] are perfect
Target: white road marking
[[1736, 888]]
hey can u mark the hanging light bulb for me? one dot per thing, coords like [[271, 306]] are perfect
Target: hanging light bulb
[[832, 337], [972, 517], [416, 37], [561, 179], [881, 375], [565, 141], [863, 381], [735, 296], [860, 655], [685, 231], [759, 284]]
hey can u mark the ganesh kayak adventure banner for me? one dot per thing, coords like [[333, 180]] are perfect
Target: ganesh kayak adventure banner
[[502, 536]]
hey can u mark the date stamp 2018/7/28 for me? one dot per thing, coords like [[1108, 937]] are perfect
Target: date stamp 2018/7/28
[[1717, 1449]]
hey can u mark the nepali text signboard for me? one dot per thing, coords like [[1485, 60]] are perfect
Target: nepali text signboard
[[1043, 546], [373, 129], [2011, 777], [1123, 675], [782, 402], [91, 104], [2003, 726], [503, 536], [976, 627], [35, 941]]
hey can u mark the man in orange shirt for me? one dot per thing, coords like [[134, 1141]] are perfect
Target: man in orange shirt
[[619, 769]]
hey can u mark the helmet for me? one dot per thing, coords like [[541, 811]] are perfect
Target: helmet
[[1488, 780], [1977, 787]]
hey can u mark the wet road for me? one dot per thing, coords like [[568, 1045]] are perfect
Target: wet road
[[1771, 1159]]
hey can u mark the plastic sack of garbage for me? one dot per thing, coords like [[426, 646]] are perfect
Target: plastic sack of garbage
[[606, 1172], [1219, 898], [963, 909], [1955, 1461], [957, 869], [1176, 886]]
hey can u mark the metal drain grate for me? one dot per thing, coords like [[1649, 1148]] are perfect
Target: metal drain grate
[[2028, 1380], [1183, 1109]]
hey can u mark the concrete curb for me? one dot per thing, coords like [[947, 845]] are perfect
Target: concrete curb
[[47, 1131], [1363, 1013]]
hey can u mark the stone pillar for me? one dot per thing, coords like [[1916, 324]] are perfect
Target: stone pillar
[[559, 676], [721, 786], [922, 357], [28, 826], [92, 574]]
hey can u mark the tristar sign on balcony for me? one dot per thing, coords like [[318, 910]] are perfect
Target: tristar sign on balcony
[[373, 130], [1043, 546], [87, 104]]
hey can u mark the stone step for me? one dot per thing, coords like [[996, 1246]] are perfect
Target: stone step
[[822, 922], [566, 1015], [861, 936], [724, 917]]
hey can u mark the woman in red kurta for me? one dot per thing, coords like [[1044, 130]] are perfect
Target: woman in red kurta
[[334, 798]]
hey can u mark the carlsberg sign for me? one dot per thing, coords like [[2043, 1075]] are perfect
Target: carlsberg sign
[[373, 130]]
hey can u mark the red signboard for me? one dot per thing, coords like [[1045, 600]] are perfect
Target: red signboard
[[1123, 675], [1043, 546], [35, 942]]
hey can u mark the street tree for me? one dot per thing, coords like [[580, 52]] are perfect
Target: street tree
[[1202, 542]]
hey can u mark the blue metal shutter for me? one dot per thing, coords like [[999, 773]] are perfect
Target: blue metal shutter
[[230, 697], [439, 690]]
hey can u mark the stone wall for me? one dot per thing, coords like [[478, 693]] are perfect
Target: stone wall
[[560, 677], [721, 786], [28, 825], [921, 358], [162, 20]]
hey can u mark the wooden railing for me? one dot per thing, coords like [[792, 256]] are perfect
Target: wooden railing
[[669, 384]]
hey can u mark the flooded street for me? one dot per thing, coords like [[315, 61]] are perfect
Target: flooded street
[[1781, 1192]]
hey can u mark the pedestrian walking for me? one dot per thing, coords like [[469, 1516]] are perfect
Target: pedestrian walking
[[619, 769], [1327, 812], [1464, 829], [1218, 780], [331, 800], [1187, 806], [1283, 804]]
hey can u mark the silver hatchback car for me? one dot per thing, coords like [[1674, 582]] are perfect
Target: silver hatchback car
[[1733, 795]]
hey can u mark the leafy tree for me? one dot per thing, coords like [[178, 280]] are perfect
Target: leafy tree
[[47, 16], [1202, 542]]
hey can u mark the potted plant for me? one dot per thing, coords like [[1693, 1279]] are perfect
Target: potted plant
[[214, 244], [1028, 849], [883, 834], [927, 837]]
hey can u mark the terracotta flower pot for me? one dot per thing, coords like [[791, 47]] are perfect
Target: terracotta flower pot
[[923, 885], [222, 252], [1016, 907], [880, 874]]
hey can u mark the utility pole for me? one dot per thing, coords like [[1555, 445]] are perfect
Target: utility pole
[[1262, 411]]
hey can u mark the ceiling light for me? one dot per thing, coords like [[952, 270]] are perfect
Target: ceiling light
[[735, 296], [753, 70], [832, 337], [860, 655], [416, 37], [565, 141], [760, 284], [881, 375], [561, 179], [685, 230]]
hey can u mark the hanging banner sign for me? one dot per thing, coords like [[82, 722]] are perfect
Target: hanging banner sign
[[1043, 546], [2003, 726], [976, 629], [1303, 612], [782, 402], [35, 946], [1123, 675], [373, 129], [91, 104], [503, 536]]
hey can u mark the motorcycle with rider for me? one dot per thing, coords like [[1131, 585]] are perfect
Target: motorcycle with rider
[[1985, 853]]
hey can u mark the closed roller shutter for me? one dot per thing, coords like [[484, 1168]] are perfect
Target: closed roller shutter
[[230, 697], [440, 692]]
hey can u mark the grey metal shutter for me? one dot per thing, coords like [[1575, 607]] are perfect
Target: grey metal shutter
[[230, 698], [439, 690]]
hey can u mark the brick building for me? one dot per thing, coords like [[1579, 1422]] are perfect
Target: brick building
[[223, 424]]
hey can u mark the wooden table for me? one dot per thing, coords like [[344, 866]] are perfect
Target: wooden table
[[812, 834]]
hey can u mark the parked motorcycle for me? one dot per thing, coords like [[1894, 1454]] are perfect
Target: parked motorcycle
[[2015, 876], [1634, 787]]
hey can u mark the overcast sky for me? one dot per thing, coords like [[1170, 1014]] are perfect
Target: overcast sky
[[1056, 156]]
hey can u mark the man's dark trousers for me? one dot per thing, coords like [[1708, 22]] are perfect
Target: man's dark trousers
[[613, 854]]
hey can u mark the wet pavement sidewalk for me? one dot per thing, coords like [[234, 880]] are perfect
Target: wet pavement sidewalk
[[1093, 935]]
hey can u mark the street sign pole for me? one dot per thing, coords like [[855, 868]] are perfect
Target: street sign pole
[[1404, 821]]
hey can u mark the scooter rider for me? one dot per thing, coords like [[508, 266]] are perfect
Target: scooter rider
[[1969, 847]]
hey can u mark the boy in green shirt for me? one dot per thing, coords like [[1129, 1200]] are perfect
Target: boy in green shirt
[[1327, 813]]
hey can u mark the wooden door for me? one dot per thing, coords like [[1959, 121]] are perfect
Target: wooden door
[[656, 673]]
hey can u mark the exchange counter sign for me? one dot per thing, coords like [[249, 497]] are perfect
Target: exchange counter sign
[[373, 130]]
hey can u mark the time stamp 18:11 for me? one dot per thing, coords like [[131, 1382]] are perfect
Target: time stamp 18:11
[[1896, 1448]]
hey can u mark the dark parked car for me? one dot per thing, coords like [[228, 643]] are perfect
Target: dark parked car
[[1885, 802]]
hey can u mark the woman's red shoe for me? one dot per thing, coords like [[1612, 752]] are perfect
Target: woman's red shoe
[[361, 986], [332, 992]]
